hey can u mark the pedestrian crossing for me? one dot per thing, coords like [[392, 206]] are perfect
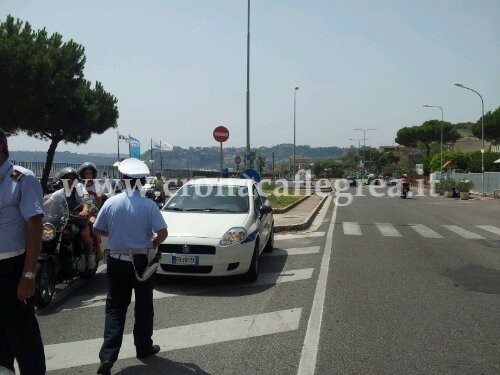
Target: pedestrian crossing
[[75, 354], [442, 231]]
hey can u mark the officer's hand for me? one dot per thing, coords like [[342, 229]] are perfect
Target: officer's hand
[[25, 288]]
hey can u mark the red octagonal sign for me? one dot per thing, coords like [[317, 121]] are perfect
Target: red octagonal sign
[[221, 134]]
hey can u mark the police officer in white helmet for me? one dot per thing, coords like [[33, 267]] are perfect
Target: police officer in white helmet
[[135, 228]]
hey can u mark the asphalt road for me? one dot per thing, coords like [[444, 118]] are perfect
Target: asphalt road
[[383, 285]]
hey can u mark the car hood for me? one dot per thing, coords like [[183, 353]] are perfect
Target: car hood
[[201, 224]]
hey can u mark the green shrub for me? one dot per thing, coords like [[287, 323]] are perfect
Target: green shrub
[[465, 185]]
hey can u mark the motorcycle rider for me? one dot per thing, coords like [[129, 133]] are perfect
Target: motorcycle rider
[[405, 179], [88, 173], [74, 199], [159, 184]]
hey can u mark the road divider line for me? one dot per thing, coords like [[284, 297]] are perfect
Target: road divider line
[[269, 278], [309, 353], [86, 352]]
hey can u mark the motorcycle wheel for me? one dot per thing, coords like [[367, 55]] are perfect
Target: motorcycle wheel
[[45, 283], [89, 272]]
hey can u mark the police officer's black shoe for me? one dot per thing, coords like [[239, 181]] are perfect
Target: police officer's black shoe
[[155, 349], [105, 368]]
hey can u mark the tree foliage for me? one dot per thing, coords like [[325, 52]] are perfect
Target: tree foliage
[[44, 93], [422, 136], [491, 126]]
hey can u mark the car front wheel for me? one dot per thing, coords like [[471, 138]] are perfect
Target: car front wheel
[[253, 272]]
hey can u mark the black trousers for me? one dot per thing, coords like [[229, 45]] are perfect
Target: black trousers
[[19, 332], [121, 281]]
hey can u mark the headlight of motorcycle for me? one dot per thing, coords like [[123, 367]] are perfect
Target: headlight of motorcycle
[[233, 235], [48, 232]]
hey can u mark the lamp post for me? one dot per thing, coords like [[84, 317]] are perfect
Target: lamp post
[[247, 151], [436, 106], [364, 141], [294, 106], [359, 141], [482, 134]]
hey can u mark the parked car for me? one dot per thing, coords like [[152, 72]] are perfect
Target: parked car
[[217, 227], [392, 181]]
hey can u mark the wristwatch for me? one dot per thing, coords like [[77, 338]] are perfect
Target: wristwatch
[[29, 275]]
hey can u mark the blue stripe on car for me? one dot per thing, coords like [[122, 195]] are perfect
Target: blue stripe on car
[[251, 237]]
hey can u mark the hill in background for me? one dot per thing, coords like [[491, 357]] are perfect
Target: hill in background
[[192, 157]]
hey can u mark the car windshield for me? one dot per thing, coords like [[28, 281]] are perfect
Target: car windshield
[[209, 198]]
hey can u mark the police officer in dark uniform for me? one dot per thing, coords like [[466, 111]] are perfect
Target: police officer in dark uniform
[[21, 212], [135, 228]]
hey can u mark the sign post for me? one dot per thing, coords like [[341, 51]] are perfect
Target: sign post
[[221, 134]]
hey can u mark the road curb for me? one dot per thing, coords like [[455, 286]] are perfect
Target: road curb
[[285, 209], [305, 224]]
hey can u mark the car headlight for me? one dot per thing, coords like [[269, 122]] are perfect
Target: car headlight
[[233, 235], [48, 232]]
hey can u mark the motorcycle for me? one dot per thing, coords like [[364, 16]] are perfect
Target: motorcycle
[[63, 255], [159, 197], [405, 188]]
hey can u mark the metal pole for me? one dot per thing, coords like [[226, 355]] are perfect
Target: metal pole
[[247, 156], [294, 104], [221, 159], [364, 142], [482, 134]]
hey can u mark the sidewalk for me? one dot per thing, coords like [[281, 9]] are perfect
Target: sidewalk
[[299, 217]]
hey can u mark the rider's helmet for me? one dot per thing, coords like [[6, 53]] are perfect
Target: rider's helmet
[[87, 165], [65, 173], [405, 175]]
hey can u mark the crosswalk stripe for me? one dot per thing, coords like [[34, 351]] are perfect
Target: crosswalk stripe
[[269, 278], [463, 233], [424, 231], [351, 229], [489, 228], [388, 230], [293, 236], [86, 352], [292, 251]]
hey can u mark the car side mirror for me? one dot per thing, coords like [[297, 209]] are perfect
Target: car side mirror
[[265, 209]]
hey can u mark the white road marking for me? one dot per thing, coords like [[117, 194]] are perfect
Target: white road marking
[[298, 235], [309, 353], [424, 231], [318, 220], [388, 230], [351, 229], [489, 228], [463, 233], [292, 251], [86, 352], [270, 278]]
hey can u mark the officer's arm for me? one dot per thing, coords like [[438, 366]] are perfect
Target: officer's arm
[[160, 236], [26, 287]]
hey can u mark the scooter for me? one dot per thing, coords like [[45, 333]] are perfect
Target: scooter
[[405, 188], [62, 256]]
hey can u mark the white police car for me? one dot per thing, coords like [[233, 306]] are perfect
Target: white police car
[[216, 227]]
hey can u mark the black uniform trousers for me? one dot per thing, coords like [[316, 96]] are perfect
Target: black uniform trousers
[[121, 281], [19, 332]]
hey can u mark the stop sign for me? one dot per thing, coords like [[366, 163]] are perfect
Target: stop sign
[[237, 159], [221, 134]]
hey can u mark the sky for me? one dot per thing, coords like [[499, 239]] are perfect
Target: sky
[[178, 67]]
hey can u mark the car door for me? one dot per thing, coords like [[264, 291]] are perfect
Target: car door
[[263, 221]]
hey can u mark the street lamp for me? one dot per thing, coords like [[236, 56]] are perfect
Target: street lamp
[[482, 134], [364, 141], [359, 144], [436, 106], [247, 150], [294, 106]]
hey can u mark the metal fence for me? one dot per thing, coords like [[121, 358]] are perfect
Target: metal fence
[[491, 180], [111, 172]]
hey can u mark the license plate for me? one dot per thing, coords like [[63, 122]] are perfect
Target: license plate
[[186, 259]]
